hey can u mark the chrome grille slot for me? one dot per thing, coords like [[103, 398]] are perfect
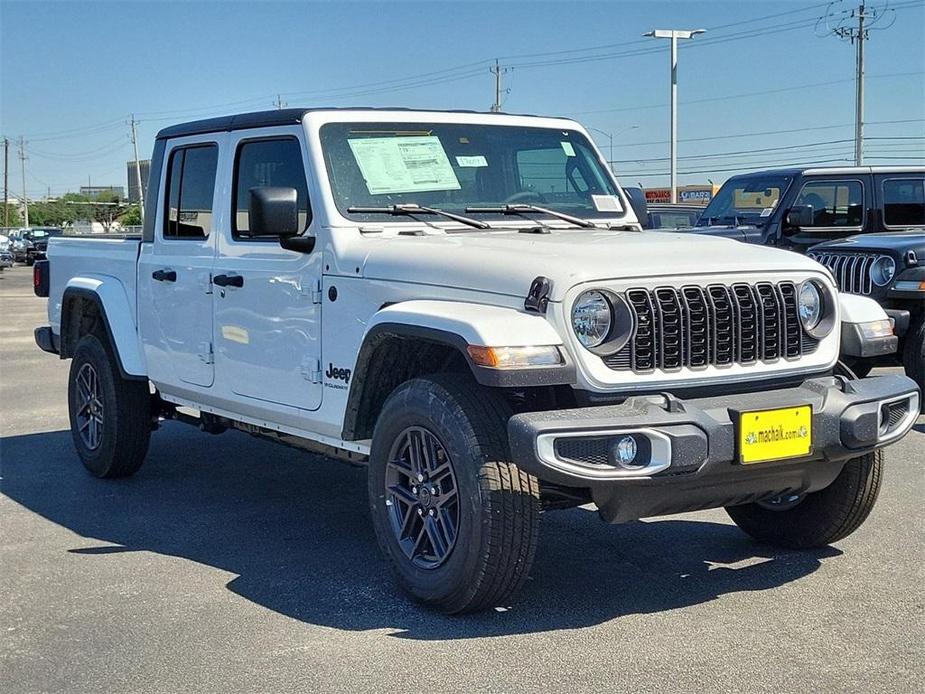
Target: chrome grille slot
[[792, 332], [671, 333], [851, 270], [697, 326], [770, 321], [717, 325], [724, 332], [642, 355], [746, 312]]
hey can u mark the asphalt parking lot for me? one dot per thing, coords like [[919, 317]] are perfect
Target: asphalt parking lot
[[231, 564]]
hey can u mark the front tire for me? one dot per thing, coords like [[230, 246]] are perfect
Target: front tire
[[820, 518], [110, 415], [914, 358], [456, 520]]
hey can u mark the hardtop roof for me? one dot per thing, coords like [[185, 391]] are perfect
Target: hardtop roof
[[831, 170], [285, 116]]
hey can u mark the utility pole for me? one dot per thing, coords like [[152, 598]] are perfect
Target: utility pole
[[25, 200], [141, 192], [674, 35], [6, 182], [859, 106], [279, 103], [867, 18], [497, 71]]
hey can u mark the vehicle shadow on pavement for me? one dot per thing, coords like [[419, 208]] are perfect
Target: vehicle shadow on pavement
[[295, 530]]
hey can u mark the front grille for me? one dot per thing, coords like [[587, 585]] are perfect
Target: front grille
[[717, 325], [851, 270]]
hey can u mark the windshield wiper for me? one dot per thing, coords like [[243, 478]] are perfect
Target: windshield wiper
[[410, 209], [521, 208]]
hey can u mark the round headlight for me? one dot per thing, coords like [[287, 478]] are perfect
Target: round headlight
[[591, 318], [882, 270], [810, 306]]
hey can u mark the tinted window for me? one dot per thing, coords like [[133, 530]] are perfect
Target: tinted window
[[904, 201], [263, 163], [190, 190], [835, 203]]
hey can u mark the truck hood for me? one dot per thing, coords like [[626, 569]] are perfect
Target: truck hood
[[505, 262], [900, 241]]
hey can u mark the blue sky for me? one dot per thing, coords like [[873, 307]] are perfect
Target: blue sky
[[72, 72]]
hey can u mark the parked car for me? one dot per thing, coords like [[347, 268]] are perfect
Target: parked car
[[6, 256], [466, 303], [798, 208], [17, 245], [665, 215], [890, 268], [36, 242]]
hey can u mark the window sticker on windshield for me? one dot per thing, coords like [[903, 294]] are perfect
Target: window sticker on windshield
[[766, 212], [568, 149], [607, 203], [403, 164], [471, 162]]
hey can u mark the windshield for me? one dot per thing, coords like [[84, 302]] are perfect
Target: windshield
[[454, 166], [745, 200]]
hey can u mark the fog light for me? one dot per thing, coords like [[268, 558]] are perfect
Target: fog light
[[626, 451]]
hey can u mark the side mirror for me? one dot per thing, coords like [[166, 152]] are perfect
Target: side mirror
[[273, 211], [637, 198], [800, 216]]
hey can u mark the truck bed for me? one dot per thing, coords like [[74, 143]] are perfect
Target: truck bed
[[92, 258]]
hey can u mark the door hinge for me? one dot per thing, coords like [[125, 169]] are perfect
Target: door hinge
[[311, 369], [314, 291], [206, 355]]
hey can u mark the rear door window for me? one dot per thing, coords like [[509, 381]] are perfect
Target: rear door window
[[834, 203], [190, 192], [904, 201]]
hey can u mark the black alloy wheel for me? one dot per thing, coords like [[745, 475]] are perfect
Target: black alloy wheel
[[421, 496]]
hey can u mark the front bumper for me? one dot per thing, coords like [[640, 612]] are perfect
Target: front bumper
[[692, 449]]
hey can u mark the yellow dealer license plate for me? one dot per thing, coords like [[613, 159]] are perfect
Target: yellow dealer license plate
[[766, 435]]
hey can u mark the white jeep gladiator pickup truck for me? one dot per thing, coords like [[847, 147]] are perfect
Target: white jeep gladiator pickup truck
[[466, 303]]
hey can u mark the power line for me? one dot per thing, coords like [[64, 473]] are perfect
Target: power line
[[771, 132], [744, 95], [807, 145]]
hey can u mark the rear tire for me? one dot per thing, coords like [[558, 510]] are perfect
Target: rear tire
[[495, 516], [914, 358], [110, 415], [822, 517]]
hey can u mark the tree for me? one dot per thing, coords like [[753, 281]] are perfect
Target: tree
[[131, 216], [51, 213], [15, 219]]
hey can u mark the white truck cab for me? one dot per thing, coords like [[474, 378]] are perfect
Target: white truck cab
[[467, 303]]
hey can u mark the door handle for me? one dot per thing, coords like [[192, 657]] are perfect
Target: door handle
[[165, 275], [228, 280]]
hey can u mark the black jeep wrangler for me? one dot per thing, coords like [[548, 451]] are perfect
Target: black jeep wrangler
[[888, 267]]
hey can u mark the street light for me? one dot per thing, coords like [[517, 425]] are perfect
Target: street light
[[674, 35], [610, 137]]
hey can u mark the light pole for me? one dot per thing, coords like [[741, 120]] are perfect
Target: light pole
[[674, 35], [610, 137]]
